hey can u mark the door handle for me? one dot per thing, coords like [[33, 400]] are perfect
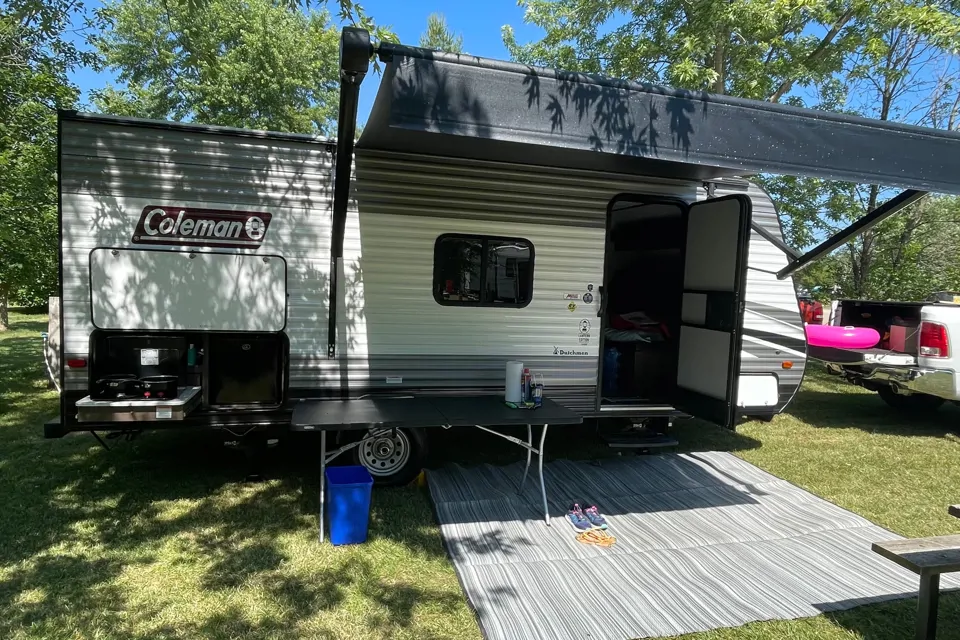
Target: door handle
[[602, 307]]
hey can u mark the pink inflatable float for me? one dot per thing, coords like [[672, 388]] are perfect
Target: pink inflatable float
[[825, 335]]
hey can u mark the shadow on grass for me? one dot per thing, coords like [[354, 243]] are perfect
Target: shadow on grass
[[81, 526], [895, 620], [825, 408], [120, 508]]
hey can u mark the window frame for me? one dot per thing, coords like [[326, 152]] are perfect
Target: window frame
[[484, 239]]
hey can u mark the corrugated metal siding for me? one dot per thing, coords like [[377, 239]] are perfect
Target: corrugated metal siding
[[390, 325], [110, 172]]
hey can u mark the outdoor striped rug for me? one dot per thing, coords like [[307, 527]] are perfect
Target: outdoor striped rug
[[704, 540]]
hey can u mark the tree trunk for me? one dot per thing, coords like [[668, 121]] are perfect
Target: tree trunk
[[719, 65], [861, 273], [4, 311]]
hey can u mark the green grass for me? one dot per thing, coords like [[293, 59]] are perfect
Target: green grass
[[159, 538]]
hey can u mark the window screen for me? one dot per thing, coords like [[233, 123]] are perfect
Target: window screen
[[482, 271]]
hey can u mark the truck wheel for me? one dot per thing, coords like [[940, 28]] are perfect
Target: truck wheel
[[393, 459], [913, 403]]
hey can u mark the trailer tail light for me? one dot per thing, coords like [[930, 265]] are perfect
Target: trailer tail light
[[77, 363], [817, 313], [933, 340]]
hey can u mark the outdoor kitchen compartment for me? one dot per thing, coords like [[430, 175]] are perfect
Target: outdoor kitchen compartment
[[139, 377], [246, 369]]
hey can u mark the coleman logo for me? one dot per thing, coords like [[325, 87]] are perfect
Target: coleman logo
[[201, 227]]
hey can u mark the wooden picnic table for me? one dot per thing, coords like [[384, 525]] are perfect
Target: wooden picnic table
[[954, 510], [927, 557]]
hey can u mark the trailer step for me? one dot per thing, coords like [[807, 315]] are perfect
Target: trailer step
[[639, 440]]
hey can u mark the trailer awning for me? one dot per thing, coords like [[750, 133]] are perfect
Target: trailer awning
[[479, 109]]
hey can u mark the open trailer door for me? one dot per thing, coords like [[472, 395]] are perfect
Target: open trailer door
[[711, 319]]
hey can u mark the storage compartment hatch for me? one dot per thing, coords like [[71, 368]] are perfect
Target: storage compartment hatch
[[182, 291]]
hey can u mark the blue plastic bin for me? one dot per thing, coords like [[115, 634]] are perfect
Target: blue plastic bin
[[348, 503]]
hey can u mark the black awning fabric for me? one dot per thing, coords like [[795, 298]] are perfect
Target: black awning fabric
[[475, 108]]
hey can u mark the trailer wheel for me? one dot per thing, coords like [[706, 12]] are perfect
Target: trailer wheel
[[393, 459], [913, 403]]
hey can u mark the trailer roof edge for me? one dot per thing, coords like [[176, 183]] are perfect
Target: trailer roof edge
[[199, 128]]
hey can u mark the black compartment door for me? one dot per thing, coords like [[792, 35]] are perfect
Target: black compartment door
[[708, 353], [246, 370]]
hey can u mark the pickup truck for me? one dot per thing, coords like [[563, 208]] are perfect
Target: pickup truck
[[914, 367]]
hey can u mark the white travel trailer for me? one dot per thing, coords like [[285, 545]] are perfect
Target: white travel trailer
[[596, 230]]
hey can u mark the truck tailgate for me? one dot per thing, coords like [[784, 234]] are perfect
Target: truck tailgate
[[873, 357]]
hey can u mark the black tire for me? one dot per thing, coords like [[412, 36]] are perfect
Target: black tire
[[913, 403], [392, 461]]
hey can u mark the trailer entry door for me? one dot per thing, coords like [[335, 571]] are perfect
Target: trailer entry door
[[708, 359]]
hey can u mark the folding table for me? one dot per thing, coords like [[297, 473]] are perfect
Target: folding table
[[378, 414]]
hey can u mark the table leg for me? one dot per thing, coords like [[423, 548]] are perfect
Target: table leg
[[927, 607], [526, 469], [543, 487], [323, 476]]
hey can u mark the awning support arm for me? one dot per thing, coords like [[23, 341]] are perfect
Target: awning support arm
[[792, 253], [355, 52], [865, 223]]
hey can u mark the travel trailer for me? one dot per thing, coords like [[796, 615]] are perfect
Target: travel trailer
[[599, 231]]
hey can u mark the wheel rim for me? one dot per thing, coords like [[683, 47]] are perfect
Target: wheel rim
[[384, 453]]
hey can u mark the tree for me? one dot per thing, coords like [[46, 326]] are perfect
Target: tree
[[439, 37], [242, 63], [352, 13], [757, 49], [34, 61]]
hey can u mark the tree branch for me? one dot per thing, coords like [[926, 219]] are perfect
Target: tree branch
[[816, 54]]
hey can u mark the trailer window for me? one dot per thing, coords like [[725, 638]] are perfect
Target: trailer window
[[482, 271]]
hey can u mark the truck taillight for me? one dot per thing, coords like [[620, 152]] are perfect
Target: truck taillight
[[817, 313], [933, 340]]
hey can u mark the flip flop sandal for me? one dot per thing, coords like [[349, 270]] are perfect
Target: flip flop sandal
[[593, 537], [604, 539], [584, 538]]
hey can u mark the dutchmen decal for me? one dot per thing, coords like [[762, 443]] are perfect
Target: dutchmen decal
[[201, 227], [558, 351]]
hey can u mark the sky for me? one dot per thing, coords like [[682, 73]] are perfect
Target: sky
[[479, 22]]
